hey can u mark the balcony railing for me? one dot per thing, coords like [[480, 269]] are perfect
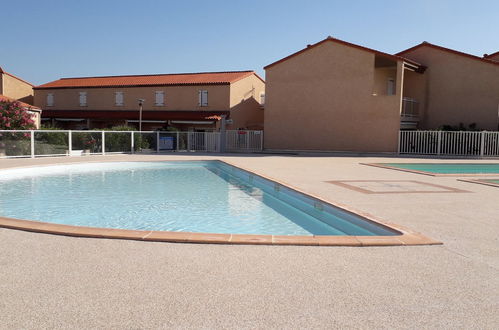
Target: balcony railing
[[410, 109]]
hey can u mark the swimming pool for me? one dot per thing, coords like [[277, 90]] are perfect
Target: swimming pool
[[195, 196], [488, 182], [444, 168]]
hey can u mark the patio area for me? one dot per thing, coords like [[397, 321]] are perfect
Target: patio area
[[49, 281]]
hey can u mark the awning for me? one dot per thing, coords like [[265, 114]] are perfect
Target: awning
[[195, 115]]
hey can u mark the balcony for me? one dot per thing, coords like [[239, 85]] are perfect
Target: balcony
[[409, 117]]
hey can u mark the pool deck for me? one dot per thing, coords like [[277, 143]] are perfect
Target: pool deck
[[51, 281]]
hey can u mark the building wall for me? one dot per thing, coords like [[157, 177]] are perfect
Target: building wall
[[176, 98], [330, 97], [494, 57], [459, 89], [245, 108], [415, 88], [16, 89]]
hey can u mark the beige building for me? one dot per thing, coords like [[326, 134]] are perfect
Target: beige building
[[16, 88], [13, 88], [456, 88], [194, 101], [338, 96], [492, 57]]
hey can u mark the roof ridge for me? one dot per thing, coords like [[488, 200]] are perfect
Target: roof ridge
[[157, 74], [346, 43], [457, 52], [16, 77], [486, 56]]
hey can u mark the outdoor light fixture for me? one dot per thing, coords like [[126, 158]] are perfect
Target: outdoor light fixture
[[141, 103]]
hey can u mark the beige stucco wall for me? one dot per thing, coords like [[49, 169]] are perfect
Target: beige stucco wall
[[245, 108], [16, 89], [459, 89], [322, 99], [176, 98], [415, 88]]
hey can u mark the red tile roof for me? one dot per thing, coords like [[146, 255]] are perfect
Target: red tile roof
[[331, 39], [10, 74], [202, 78], [4, 98], [427, 44]]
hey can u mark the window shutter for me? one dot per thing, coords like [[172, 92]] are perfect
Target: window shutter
[[83, 99], [160, 98], [203, 98], [262, 98], [119, 98], [50, 99], [200, 98]]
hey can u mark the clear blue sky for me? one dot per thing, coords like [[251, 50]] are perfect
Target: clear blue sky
[[45, 40]]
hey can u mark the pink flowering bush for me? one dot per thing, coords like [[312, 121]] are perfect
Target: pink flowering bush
[[14, 116]]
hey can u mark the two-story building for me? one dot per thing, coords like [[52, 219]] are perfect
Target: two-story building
[[13, 88], [338, 96], [187, 101]]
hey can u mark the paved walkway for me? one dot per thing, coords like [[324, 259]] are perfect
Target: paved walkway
[[51, 281]]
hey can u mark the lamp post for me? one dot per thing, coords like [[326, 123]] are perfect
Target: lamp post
[[141, 103]]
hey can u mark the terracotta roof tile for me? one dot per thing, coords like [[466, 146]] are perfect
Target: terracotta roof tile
[[4, 98], [331, 39], [13, 76], [204, 78], [448, 50]]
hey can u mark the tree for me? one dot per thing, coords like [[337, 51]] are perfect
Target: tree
[[15, 116]]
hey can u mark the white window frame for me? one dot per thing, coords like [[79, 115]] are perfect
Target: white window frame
[[50, 99], [116, 101], [262, 98], [83, 99], [161, 101], [203, 98]]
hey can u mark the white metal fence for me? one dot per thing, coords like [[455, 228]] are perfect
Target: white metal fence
[[39, 143], [458, 143]]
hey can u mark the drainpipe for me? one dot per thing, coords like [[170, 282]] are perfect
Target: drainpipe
[[222, 133]]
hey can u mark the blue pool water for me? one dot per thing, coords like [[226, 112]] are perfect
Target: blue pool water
[[196, 196], [455, 168]]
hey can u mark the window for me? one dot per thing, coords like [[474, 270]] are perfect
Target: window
[[83, 99], [159, 97], [391, 87], [118, 99], [203, 98], [262, 98], [50, 100]]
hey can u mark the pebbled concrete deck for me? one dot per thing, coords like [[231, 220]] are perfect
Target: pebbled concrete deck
[[49, 281]]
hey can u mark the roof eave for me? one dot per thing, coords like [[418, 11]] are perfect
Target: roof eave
[[42, 87], [373, 51]]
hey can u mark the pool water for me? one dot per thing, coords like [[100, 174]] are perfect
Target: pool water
[[455, 168], [195, 196]]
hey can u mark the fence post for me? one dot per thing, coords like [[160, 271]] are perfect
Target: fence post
[[177, 141], [157, 141], [132, 143], [482, 143], [32, 144], [103, 143], [70, 142], [398, 142], [261, 140], [439, 143]]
